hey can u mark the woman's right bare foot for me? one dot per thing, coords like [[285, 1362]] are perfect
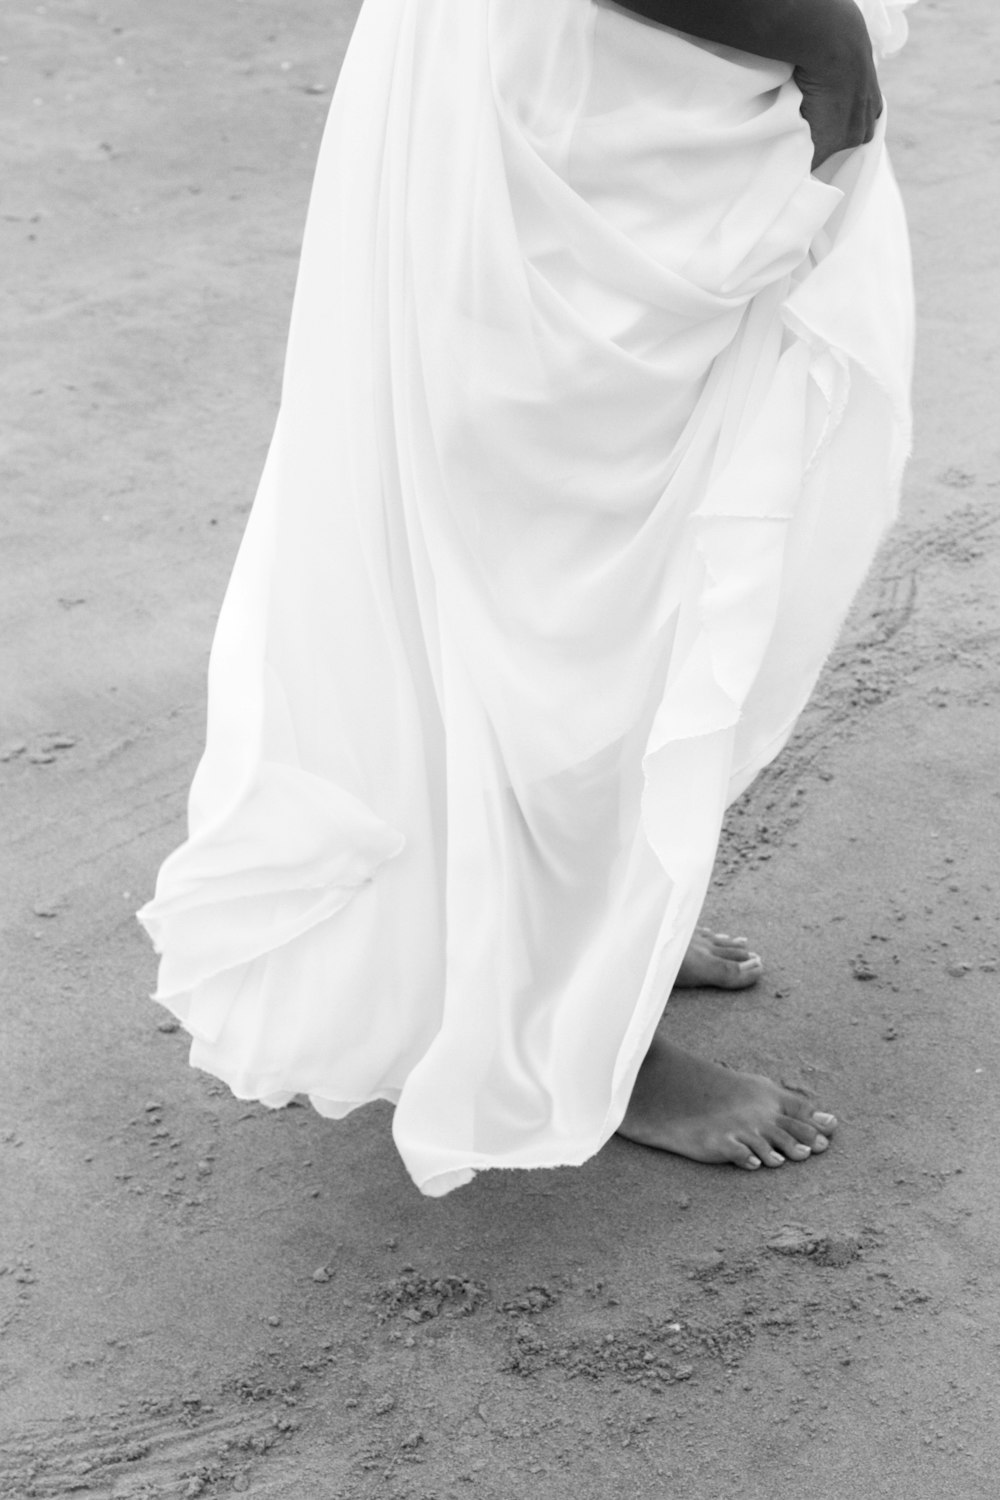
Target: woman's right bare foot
[[716, 961], [710, 1113]]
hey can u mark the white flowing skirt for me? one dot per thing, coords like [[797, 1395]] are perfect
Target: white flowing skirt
[[594, 413]]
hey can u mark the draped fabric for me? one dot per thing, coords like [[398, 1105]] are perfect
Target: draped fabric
[[594, 412]]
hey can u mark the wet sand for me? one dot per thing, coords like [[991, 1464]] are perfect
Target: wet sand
[[198, 1296]]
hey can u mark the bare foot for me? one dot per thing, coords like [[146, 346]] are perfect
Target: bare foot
[[716, 961], [702, 1110]]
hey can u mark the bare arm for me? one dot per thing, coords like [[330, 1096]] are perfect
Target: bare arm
[[825, 41]]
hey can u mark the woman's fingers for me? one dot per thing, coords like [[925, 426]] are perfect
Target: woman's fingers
[[840, 109]]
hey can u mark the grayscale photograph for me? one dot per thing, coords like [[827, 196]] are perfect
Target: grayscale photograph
[[499, 749]]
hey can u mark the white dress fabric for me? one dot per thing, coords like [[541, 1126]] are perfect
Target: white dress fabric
[[595, 410]]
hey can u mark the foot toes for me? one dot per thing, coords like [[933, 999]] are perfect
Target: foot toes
[[728, 947], [733, 974], [762, 1150], [740, 1153], [800, 1130], [792, 1148], [714, 960], [748, 971], [804, 1133], [801, 1117]]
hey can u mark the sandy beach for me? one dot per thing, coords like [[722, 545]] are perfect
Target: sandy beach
[[199, 1296]]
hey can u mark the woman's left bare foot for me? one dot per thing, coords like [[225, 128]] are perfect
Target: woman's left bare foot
[[716, 961], [702, 1110]]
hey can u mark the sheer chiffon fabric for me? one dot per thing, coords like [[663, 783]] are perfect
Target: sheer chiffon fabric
[[594, 413]]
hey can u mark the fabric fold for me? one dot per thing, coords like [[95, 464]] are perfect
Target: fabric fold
[[293, 851]]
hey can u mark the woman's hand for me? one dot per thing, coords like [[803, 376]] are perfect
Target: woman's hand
[[841, 99], [825, 41], [838, 117]]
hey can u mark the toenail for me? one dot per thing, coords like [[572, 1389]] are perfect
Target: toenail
[[825, 1122], [803, 1151], [820, 1143], [753, 962], [776, 1159], [753, 1162]]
